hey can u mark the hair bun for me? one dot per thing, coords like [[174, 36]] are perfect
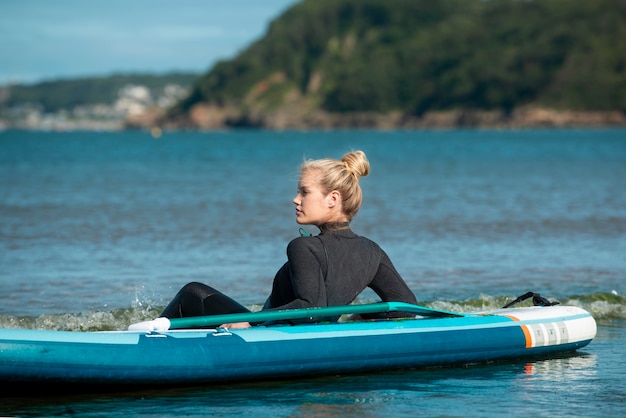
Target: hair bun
[[356, 163]]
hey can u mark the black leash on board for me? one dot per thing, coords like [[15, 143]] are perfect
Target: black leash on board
[[538, 300]]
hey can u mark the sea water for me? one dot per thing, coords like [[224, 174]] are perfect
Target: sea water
[[99, 230]]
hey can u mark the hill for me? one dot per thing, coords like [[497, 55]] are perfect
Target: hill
[[54, 95], [92, 103], [330, 63]]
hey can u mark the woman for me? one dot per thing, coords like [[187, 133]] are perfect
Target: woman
[[329, 269]]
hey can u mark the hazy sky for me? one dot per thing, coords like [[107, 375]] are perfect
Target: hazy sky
[[50, 39]]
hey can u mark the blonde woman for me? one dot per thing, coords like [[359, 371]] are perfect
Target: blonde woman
[[329, 269]]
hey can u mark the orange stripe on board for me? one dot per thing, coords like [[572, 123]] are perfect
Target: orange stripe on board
[[527, 335]]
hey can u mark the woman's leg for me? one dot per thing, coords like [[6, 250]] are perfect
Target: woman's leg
[[197, 299]]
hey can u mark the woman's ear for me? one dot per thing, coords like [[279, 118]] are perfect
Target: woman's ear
[[333, 198]]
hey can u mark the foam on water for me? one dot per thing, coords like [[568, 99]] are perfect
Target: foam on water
[[604, 307]]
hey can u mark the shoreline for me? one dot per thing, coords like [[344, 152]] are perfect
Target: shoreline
[[206, 118]]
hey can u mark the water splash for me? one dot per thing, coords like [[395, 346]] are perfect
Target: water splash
[[605, 308]]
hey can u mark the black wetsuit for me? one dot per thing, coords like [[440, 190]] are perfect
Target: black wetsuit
[[330, 269]]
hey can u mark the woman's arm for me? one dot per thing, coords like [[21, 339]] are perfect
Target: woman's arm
[[301, 283]]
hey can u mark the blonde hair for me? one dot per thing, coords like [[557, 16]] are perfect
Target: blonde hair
[[343, 176]]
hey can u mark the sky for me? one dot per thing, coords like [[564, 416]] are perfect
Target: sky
[[42, 40]]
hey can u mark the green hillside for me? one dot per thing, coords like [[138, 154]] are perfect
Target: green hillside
[[55, 95], [416, 56]]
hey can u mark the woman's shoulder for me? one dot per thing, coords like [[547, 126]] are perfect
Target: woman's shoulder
[[302, 248], [350, 239], [345, 237], [366, 240], [304, 242], [372, 245]]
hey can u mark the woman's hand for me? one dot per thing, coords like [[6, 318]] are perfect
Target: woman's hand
[[236, 325]]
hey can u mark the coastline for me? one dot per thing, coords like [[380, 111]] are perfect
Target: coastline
[[206, 117], [203, 117]]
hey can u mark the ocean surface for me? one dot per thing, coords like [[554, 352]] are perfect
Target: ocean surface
[[99, 230]]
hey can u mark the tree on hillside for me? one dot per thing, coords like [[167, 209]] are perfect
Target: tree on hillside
[[415, 56]]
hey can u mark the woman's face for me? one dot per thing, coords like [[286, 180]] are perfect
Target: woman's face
[[313, 205]]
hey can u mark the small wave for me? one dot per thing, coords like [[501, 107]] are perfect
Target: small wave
[[86, 321], [605, 308]]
